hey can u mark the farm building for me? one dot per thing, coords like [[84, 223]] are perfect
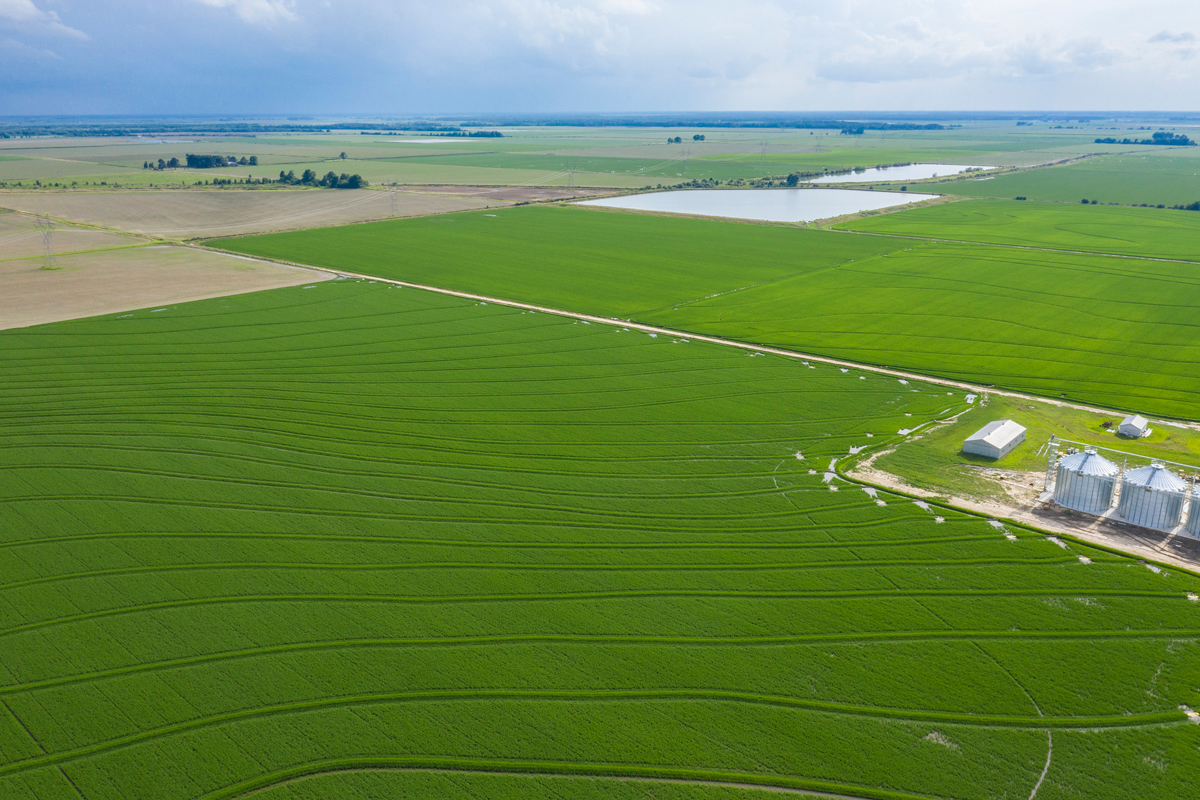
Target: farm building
[[1152, 497], [995, 440], [1133, 426], [1086, 482]]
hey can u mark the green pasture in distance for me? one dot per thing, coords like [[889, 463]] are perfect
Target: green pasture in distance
[[672, 164], [852, 157], [1114, 332], [933, 459], [598, 262], [298, 533], [1168, 178], [1162, 233]]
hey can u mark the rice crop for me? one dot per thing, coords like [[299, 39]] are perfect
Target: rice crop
[[357, 541], [1161, 233], [1116, 332], [1170, 178]]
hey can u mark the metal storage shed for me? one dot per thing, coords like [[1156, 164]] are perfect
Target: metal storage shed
[[995, 440], [1133, 426], [1152, 497], [1086, 482]]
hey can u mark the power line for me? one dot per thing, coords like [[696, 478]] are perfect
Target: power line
[[45, 227]]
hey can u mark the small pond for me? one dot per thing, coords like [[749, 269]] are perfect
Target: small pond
[[767, 205], [912, 172]]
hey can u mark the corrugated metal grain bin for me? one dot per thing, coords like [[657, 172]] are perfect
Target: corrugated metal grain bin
[[1152, 497], [1086, 482], [1193, 523]]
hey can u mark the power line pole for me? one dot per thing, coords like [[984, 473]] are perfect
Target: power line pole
[[45, 227]]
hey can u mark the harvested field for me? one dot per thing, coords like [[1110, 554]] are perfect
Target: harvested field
[[89, 284], [194, 214], [20, 238], [515, 194]]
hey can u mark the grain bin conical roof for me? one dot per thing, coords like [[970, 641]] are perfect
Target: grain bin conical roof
[[1089, 463], [1155, 477]]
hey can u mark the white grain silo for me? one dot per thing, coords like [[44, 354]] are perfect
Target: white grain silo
[[1086, 482], [1193, 523], [1152, 497]]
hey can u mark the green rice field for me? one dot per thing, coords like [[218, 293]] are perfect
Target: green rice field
[[1170, 178], [1116, 332], [359, 541], [1161, 233]]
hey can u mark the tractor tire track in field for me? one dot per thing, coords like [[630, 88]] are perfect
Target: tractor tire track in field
[[540, 567], [517, 544], [1142, 720], [773, 784], [803, 640]]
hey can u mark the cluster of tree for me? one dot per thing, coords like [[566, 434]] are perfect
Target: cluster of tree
[[699, 137], [172, 164], [235, 182], [208, 162], [854, 130], [674, 140], [476, 134], [1159, 137], [331, 180]]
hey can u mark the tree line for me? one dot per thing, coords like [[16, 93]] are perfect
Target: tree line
[[331, 180], [1159, 137]]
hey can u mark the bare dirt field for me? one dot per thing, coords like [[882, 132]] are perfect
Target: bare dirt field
[[196, 214], [514, 194], [120, 280], [20, 238]]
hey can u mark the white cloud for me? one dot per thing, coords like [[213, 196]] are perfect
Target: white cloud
[[257, 12], [1174, 38], [26, 16], [24, 52]]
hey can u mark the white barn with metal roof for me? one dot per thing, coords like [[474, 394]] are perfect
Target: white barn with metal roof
[[996, 439], [1133, 426]]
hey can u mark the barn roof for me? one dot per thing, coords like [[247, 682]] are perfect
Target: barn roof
[[998, 433]]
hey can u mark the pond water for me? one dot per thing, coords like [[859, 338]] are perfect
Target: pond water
[[912, 172], [767, 205]]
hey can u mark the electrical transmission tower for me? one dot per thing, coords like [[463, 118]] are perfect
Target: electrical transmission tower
[[395, 202], [45, 227]]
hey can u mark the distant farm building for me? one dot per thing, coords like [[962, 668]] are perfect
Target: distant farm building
[[1133, 426], [995, 440], [1152, 497], [1086, 482]]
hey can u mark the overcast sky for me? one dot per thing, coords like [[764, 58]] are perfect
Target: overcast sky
[[456, 56]]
